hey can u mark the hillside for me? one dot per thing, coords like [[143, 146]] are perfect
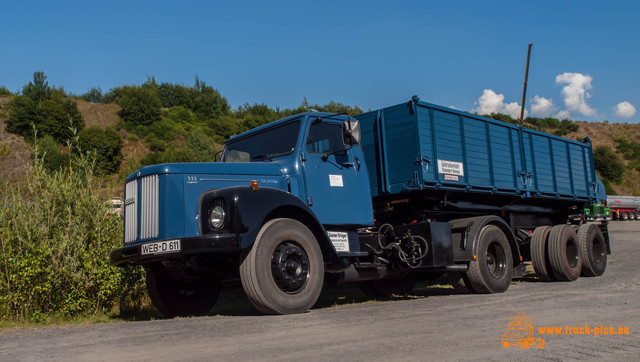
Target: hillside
[[16, 156]]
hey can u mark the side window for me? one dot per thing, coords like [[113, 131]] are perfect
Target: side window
[[325, 138]]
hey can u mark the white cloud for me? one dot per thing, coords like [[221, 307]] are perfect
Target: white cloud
[[541, 106], [624, 110], [491, 102], [575, 93], [562, 115]]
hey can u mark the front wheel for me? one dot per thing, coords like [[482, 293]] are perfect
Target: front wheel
[[283, 272], [175, 298]]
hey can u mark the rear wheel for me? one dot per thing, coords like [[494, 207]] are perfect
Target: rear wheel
[[594, 250], [539, 254], [632, 215], [624, 216], [174, 298], [283, 272], [564, 253], [491, 271], [385, 288]]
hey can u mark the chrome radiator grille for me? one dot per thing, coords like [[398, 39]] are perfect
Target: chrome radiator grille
[[146, 199]]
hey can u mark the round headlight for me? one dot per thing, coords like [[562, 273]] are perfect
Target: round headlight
[[216, 218]]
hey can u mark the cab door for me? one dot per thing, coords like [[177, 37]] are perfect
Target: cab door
[[335, 190]]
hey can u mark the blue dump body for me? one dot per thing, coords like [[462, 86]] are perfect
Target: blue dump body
[[421, 146]]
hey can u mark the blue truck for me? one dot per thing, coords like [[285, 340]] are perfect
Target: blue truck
[[384, 198]]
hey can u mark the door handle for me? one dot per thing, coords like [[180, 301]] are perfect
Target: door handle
[[348, 164]]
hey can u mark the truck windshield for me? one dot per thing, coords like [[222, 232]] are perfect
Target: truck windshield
[[273, 142]]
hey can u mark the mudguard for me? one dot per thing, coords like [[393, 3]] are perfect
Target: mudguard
[[472, 227], [248, 209]]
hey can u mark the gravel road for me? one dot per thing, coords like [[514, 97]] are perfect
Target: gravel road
[[439, 325]]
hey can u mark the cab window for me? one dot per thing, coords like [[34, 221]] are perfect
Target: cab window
[[325, 138]]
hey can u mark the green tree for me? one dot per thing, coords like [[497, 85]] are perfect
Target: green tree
[[5, 92], [105, 144], [94, 95], [39, 89], [55, 117], [140, 105], [608, 164], [207, 102]]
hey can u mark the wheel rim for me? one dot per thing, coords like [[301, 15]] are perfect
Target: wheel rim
[[572, 253], [597, 251], [290, 267], [496, 260]]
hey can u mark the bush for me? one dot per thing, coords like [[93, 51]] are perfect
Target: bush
[[55, 117], [4, 92], [165, 129], [629, 149], [203, 148], [49, 154], [140, 105], [105, 144], [56, 237], [608, 188], [179, 114], [608, 164]]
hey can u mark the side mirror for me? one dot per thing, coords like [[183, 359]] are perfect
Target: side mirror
[[351, 132]]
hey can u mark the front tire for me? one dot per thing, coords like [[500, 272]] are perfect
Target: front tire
[[492, 270], [283, 272], [175, 298]]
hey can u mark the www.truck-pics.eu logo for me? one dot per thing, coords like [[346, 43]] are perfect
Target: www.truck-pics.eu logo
[[520, 333]]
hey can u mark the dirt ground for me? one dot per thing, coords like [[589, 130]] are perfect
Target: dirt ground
[[432, 327]]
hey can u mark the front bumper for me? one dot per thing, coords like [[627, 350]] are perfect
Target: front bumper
[[132, 254]]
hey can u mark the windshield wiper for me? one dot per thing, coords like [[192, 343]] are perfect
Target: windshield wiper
[[261, 157], [269, 157]]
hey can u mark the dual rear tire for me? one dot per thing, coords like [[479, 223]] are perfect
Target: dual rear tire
[[559, 253]]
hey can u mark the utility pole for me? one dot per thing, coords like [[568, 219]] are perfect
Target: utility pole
[[524, 91]]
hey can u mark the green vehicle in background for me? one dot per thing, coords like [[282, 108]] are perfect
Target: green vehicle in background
[[597, 212]]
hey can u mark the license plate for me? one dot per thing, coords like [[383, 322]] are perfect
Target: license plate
[[161, 247]]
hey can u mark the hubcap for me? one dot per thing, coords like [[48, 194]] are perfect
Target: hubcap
[[290, 267], [572, 253], [598, 251], [496, 260]]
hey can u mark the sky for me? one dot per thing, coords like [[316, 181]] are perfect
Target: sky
[[469, 55]]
